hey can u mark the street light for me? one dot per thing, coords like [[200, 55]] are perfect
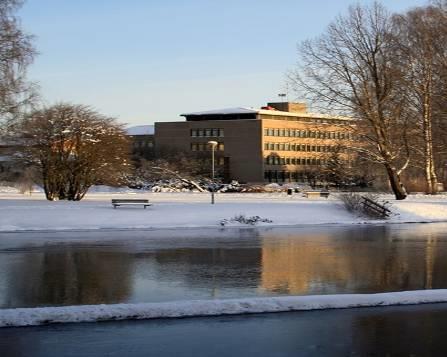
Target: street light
[[213, 145]]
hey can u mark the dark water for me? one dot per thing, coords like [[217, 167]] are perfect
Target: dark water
[[392, 331], [43, 269]]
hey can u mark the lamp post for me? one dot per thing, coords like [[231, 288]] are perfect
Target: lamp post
[[213, 145]]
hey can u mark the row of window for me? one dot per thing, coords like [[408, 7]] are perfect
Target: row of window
[[143, 144], [300, 147], [295, 133], [283, 176], [308, 120], [276, 160], [206, 147], [207, 133]]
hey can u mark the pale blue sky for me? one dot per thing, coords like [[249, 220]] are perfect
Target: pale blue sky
[[150, 60]]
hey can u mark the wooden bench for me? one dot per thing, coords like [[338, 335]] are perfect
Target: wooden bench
[[130, 201], [377, 209], [310, 194]]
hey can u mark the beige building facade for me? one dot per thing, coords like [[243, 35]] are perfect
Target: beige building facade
[[281, 142]]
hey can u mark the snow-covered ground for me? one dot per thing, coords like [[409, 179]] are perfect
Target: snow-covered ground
[[169, 210], [93, 313]]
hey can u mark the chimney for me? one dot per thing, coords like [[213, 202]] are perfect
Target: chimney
[[289, 107]]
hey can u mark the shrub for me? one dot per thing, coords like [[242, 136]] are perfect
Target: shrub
[[245, 220]]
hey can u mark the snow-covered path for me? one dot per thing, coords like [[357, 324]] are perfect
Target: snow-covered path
[[169, 210]]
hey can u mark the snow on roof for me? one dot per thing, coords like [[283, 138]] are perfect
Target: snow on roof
[[141, 130], [245, 110], [236, 110]]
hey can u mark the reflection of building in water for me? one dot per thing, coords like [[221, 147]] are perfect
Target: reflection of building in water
[[70, 276], [300, 268], [367, 260]]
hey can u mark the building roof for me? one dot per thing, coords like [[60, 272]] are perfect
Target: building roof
[[236, 110], [245, 110], [140, 130]]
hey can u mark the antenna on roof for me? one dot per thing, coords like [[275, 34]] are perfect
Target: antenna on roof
[[282, 95]]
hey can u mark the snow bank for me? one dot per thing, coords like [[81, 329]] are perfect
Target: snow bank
[[92, 313]]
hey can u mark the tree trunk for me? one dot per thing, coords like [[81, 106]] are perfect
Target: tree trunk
[[430, 173], [395, 182]]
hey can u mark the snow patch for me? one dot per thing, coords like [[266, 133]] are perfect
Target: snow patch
[[196, 308]]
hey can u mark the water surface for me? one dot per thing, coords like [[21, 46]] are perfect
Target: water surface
[[49, 269]]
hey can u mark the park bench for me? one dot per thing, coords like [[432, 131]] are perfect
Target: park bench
[[130, 201], [313, 194], [377, 209]]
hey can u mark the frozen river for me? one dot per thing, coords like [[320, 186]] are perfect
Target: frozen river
[[108, 267]]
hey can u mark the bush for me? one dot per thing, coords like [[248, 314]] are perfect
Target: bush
[[245, 220]]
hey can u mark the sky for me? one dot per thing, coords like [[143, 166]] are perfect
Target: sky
[[143, 61]]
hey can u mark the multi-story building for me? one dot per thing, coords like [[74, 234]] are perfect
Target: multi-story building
[[142, 141], [277, 143]]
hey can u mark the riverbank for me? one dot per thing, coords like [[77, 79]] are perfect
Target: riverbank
[[192, 210]]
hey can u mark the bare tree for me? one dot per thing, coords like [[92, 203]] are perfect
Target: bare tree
[[350, 69], [16, 54], [75, 147], [423, 37], [191, 169]]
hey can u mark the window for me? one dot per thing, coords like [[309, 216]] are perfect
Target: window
[[287, 147], [193, 132], [282, 132], [200, 132], [276, 132], [266, 146], [266, 132], [272, 146], [220, 147], [313, 148], [215, 132], [281, 147], [194, 147], [268, 175], [288, 161], [221, 133], [207, 132]]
